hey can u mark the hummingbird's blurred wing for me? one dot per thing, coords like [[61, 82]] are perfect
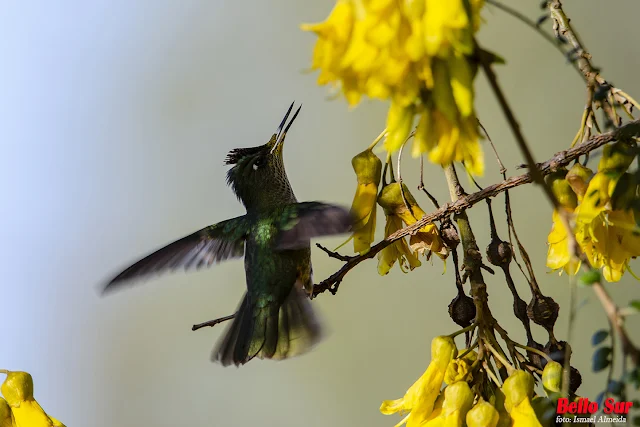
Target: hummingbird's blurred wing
[[303, 221], [214, 243]]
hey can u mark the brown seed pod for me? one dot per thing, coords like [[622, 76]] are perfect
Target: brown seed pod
[[555, 351], [575, 380], [462, 310], [543, 311], [499, 253], [449, 234]]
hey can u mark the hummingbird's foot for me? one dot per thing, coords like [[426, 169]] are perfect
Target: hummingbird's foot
[[213, 322]]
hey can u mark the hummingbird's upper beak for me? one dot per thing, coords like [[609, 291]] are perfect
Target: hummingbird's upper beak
[[278, 138]]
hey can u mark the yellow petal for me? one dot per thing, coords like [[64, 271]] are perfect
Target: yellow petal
[[461, 84], [364, 236], [424, 138], [399, 123], [442, 91], [6, 419], [30, 414], [523, 415]]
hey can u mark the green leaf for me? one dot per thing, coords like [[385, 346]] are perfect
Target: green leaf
[[589, 278], [599, 337], [636, 420], [635, 304], [601, 359]]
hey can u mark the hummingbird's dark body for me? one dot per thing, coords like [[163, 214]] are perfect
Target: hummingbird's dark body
[[274, 319]]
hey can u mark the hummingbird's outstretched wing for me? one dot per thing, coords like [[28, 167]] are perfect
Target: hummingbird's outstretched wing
[[214, 243], [302, 221]]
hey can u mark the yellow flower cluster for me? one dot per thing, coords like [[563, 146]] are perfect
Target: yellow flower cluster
[[397, 209], [20, 409], [606, 227], [416, 53], [514, 404]]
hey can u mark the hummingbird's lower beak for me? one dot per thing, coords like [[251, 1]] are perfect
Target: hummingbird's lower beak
[[281, 134]]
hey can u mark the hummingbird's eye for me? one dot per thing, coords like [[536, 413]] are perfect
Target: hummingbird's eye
[[258, 163]]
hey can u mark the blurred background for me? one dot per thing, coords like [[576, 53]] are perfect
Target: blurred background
[[115, 118]]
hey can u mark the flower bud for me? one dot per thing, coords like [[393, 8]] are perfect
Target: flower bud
[[368, 169], [483, 415], [27, 412], [552, 378], [518, 387], [458, 370], [562, 189], [17, 387], [578, 178]]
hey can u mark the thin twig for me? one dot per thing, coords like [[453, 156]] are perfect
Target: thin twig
[[515, 128], [213, 322], [333, 254], [611, 309], [421, 186]]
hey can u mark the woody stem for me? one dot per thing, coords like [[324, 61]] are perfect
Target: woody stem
[[472, 259]]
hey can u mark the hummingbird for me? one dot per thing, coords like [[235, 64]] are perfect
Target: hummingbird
[[274, 319]]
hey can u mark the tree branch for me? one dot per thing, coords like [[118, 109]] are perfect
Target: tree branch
[[563, 158]]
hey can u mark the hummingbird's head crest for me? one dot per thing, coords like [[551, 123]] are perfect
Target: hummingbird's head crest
[[261, 169]]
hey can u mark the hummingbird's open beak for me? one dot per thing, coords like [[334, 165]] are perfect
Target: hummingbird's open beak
[[280, 133]]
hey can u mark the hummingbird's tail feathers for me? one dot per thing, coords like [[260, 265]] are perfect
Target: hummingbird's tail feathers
[[270, 332], [210, 245], [303, 221]]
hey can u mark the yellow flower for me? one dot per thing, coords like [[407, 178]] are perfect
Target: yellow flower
[[368, 168], [458, 370], [606, 225], [427, 239], [420, 399], [558, 256], [458, 399], [518, 391], [447, 27], [447, 140], [578, 178], [18, 392], [415, 54], [483, 414], [397, 251], [610, 241]]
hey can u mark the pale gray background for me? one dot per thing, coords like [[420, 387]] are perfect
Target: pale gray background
[[115, 117]]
